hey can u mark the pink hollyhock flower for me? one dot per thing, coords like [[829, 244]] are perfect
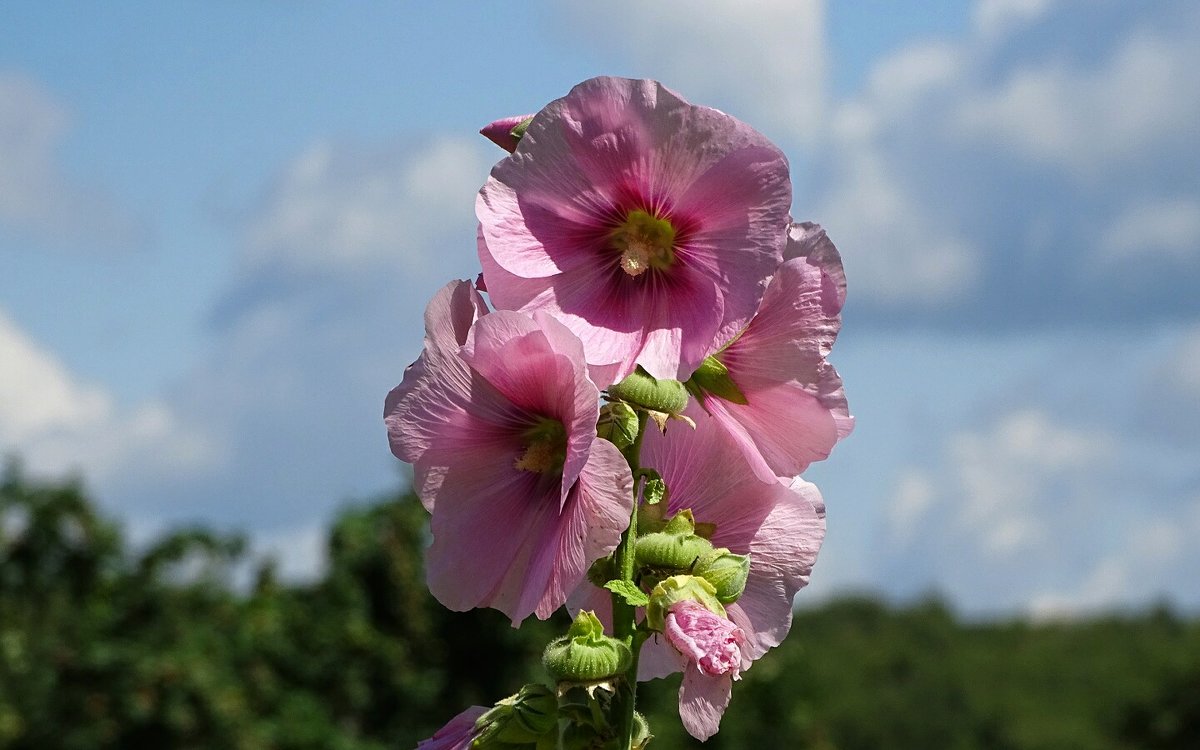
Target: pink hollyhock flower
[[648, 225], [457, 734], [498, 418], [780, 526], [500, 132], [787, 408]]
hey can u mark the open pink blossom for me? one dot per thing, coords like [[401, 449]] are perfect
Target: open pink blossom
[[498, 418], [648, 225], [780, 526], [458, 733], [789, 408]]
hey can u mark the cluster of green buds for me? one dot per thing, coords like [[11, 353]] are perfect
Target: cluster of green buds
[[680, 548]]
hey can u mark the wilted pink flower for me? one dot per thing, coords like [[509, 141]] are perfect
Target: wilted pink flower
[[498, 418], [789, 409], [707, 640], [711, 645], [500, 132], [648, 225], [457, 734], [780, 526]]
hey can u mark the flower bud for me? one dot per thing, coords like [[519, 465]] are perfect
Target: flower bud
[[677, 589], [726, 571], [675, 548], [507, 131], [644, 390], [585, 654], [523, 718], [618, 424]]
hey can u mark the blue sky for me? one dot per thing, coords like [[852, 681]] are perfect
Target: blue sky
[[219, 224]]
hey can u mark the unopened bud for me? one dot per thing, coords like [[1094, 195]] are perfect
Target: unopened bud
[[585, 654], [676, 548], [644, 390], [507, 131], [726, 571], [523, 718]]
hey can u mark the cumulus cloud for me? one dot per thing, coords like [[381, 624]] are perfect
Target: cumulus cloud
[[347, 244], [990, 181], [38, 198], [56, 423], [738, 53]]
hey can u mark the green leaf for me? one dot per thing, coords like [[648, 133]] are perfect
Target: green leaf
[[654, 491], [632, 595]]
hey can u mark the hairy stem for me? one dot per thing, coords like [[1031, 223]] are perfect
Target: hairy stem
[[625, 615]]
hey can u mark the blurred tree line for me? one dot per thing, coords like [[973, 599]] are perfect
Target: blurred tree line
[[107, 646]]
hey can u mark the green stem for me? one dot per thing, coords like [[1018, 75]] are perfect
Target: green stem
[[625, 615]]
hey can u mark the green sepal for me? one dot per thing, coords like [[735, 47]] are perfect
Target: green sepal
[[713, 377], [632, 595], [618, 424], [520, 719], [519, 129], [678, 589]]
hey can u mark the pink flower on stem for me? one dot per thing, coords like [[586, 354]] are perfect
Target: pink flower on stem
[[787, 408], [498, 418], [780, 526], [648, 225], [457, 734], [706, 639]]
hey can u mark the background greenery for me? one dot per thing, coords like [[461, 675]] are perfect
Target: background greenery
[[107, 646]]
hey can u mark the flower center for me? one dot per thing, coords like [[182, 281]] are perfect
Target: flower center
[[644, 242], [545, 447]]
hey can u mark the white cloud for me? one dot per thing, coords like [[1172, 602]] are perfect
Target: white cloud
[[56, 424], [995, 17], [340, 208], [1167, 230], [1000, 477], [766, 58], [1138, 569], [947, 179], [37, 196], [1144, 98]]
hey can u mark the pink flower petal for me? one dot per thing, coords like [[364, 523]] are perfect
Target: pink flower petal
[[457, 734], [614, 146], [702, 702]]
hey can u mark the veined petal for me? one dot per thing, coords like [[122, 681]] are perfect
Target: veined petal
[[702, 702]]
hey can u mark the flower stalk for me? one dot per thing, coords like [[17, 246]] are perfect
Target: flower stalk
[[625, 614]]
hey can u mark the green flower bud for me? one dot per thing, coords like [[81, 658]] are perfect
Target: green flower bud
[[678, 589], [726, 571], [675, 548], [523, 718], [585, 654], [618, 424], [644, 390]]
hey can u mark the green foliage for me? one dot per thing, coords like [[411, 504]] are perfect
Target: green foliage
[[107, 646]]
